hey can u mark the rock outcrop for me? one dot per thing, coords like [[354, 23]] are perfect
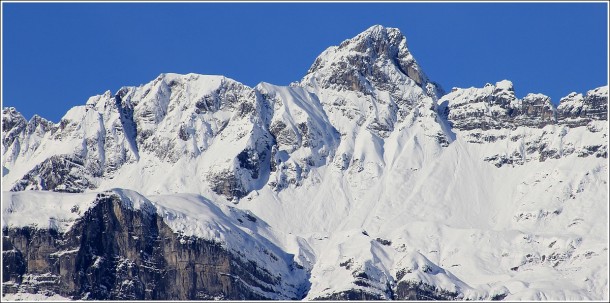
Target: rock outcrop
[[114, 252], [576, 110], [497, 107], [527, 127]]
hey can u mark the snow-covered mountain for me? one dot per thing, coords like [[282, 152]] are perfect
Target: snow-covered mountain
[[364, 180]]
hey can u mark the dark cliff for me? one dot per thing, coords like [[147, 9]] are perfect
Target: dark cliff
[[116, 253]]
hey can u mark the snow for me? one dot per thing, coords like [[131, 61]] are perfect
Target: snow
[[45, 210], [32, 297], [531, 231], [504, 85]]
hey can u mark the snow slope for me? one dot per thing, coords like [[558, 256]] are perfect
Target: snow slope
[[364, 170]]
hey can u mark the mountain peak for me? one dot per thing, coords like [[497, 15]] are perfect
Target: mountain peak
[[379, 33], [376, 56], [377, 28], [376, 41]]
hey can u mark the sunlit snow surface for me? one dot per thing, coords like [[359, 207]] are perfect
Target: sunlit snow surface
[[27, 297], [380, 193], [533, 231]]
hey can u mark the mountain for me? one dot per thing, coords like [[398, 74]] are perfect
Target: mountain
[[363, 180]]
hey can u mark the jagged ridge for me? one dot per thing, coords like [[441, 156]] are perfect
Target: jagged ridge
[[364, 156]]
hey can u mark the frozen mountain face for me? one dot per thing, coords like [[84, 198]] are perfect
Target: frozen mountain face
[[13, 124], [373, 81], [522, 130], [20, 137], [378, 99], [364, 173], [234, 139], [303, 136], [174, 118]]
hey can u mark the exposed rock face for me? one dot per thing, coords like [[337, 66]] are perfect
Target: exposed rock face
[[416, 291], [401, 290], [61, 173], [117, 253], [361, 63], [497, 107], [576, 110], [353, 294], [536, 110], [527, 127], [13, 123], [409, 291]]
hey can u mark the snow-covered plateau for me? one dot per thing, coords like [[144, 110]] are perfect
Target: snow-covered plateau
[[363, 180]]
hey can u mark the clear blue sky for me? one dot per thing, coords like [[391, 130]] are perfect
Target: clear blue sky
[[57, 55]]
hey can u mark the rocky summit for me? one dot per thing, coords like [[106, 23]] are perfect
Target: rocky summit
[[363, 180]]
